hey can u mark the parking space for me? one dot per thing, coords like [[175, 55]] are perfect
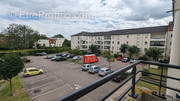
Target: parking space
[[61, 78]]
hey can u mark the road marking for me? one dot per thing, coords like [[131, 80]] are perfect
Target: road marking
[[50, 91], [43, 79], [44, 85]]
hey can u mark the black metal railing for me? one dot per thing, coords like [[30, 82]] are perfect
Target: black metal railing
[[85, 90]]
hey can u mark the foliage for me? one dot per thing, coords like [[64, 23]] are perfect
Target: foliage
[[144, 57], [154, 53], [145, 70], [94, 49], [19, 92], [20, 37], [67, 43], [58, 36], [133, 50], [124, 48], [10, 66], [77, 52], [108, 56], [25, 60]]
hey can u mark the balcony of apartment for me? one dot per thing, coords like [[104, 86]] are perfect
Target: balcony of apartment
[[107, 43], [99, 42], [83, 42], [158, 37], [159, 44], [107, 37], [83, 47]]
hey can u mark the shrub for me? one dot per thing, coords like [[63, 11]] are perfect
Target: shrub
[[144, 57], [25, 60], [145, 74]]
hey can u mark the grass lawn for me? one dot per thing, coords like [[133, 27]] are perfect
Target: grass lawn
[[19, 93], [153, 87]]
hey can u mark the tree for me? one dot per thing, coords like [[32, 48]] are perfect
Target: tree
[[124, 48], [10, 66], [21, 36], [133, 50], [94, 49], [66, 43], [58, 36], [108, 56], [154, 53]]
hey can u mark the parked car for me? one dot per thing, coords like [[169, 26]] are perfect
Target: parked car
[[94, 69], [125, 60], [119, 58], [40, 54], [120, 77], [49, 57], [64, 54], [59, 58], [104, 71], [69, 56], [76, 58], [54, 58], [86, 67], [59, 54], [32, 71], [132, 60]]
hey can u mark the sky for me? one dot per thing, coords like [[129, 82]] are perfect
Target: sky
[[68, 17]]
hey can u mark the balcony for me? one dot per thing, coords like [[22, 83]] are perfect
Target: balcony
[[157, 39], [157, 96]]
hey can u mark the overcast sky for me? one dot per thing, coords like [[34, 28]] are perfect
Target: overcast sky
[[69, 17]]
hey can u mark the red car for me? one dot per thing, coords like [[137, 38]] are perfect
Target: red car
[[119, 58]]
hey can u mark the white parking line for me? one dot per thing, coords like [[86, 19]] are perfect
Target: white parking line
[[44, 85], [50, 91], [43, 79]]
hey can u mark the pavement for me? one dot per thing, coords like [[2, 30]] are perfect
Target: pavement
[[61, 78]]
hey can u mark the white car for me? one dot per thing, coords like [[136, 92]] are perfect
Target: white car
[[104, 71], [94, 69], [76, 58], [86, 67]]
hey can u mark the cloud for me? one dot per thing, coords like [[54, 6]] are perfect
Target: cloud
[[85, 15]]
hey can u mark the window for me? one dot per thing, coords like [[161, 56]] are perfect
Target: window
[[118, 42], [146, 43], [113, 42], [146, 36], [127, 36], [137, 43], [127, 42]]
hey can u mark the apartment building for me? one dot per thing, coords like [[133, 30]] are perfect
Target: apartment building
[[51, 42], [158, 36]]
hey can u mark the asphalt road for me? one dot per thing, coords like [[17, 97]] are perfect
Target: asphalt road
[[61, 78]]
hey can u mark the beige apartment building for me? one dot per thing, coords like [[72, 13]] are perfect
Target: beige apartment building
[[158, 36]]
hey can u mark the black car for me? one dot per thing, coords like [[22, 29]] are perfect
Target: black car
[[40, 54], [120, 77], [59, 54], [61, 58], [125, 60]]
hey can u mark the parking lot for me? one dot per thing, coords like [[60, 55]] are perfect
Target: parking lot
[[61, 78]]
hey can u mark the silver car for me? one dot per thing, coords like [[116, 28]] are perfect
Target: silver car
[[104, 71], [86, 67], [94, 69]]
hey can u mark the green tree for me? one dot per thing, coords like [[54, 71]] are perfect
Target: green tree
[[108, 56], [58, 36], [154, 53], [21, 36], [124, 48], [94, 49], [66, 43], [133, 50], [10, 66]]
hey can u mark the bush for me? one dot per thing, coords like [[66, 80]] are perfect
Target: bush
[[116, 55], [77, 52], [145, 74], [144, 57], [25, 60]]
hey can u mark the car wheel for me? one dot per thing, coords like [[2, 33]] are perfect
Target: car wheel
[[40, 72]]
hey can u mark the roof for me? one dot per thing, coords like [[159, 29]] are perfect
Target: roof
[[29, 68], [144, 30], [104, 68]]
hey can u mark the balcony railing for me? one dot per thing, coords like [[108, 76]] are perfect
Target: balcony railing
[[85, 90]]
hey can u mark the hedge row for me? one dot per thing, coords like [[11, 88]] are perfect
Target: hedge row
[[32, 52]]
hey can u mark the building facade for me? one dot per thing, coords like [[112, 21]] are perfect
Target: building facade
[[52, 42], [144, 38]]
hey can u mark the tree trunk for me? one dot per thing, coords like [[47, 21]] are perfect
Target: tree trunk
[[10, 82]]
